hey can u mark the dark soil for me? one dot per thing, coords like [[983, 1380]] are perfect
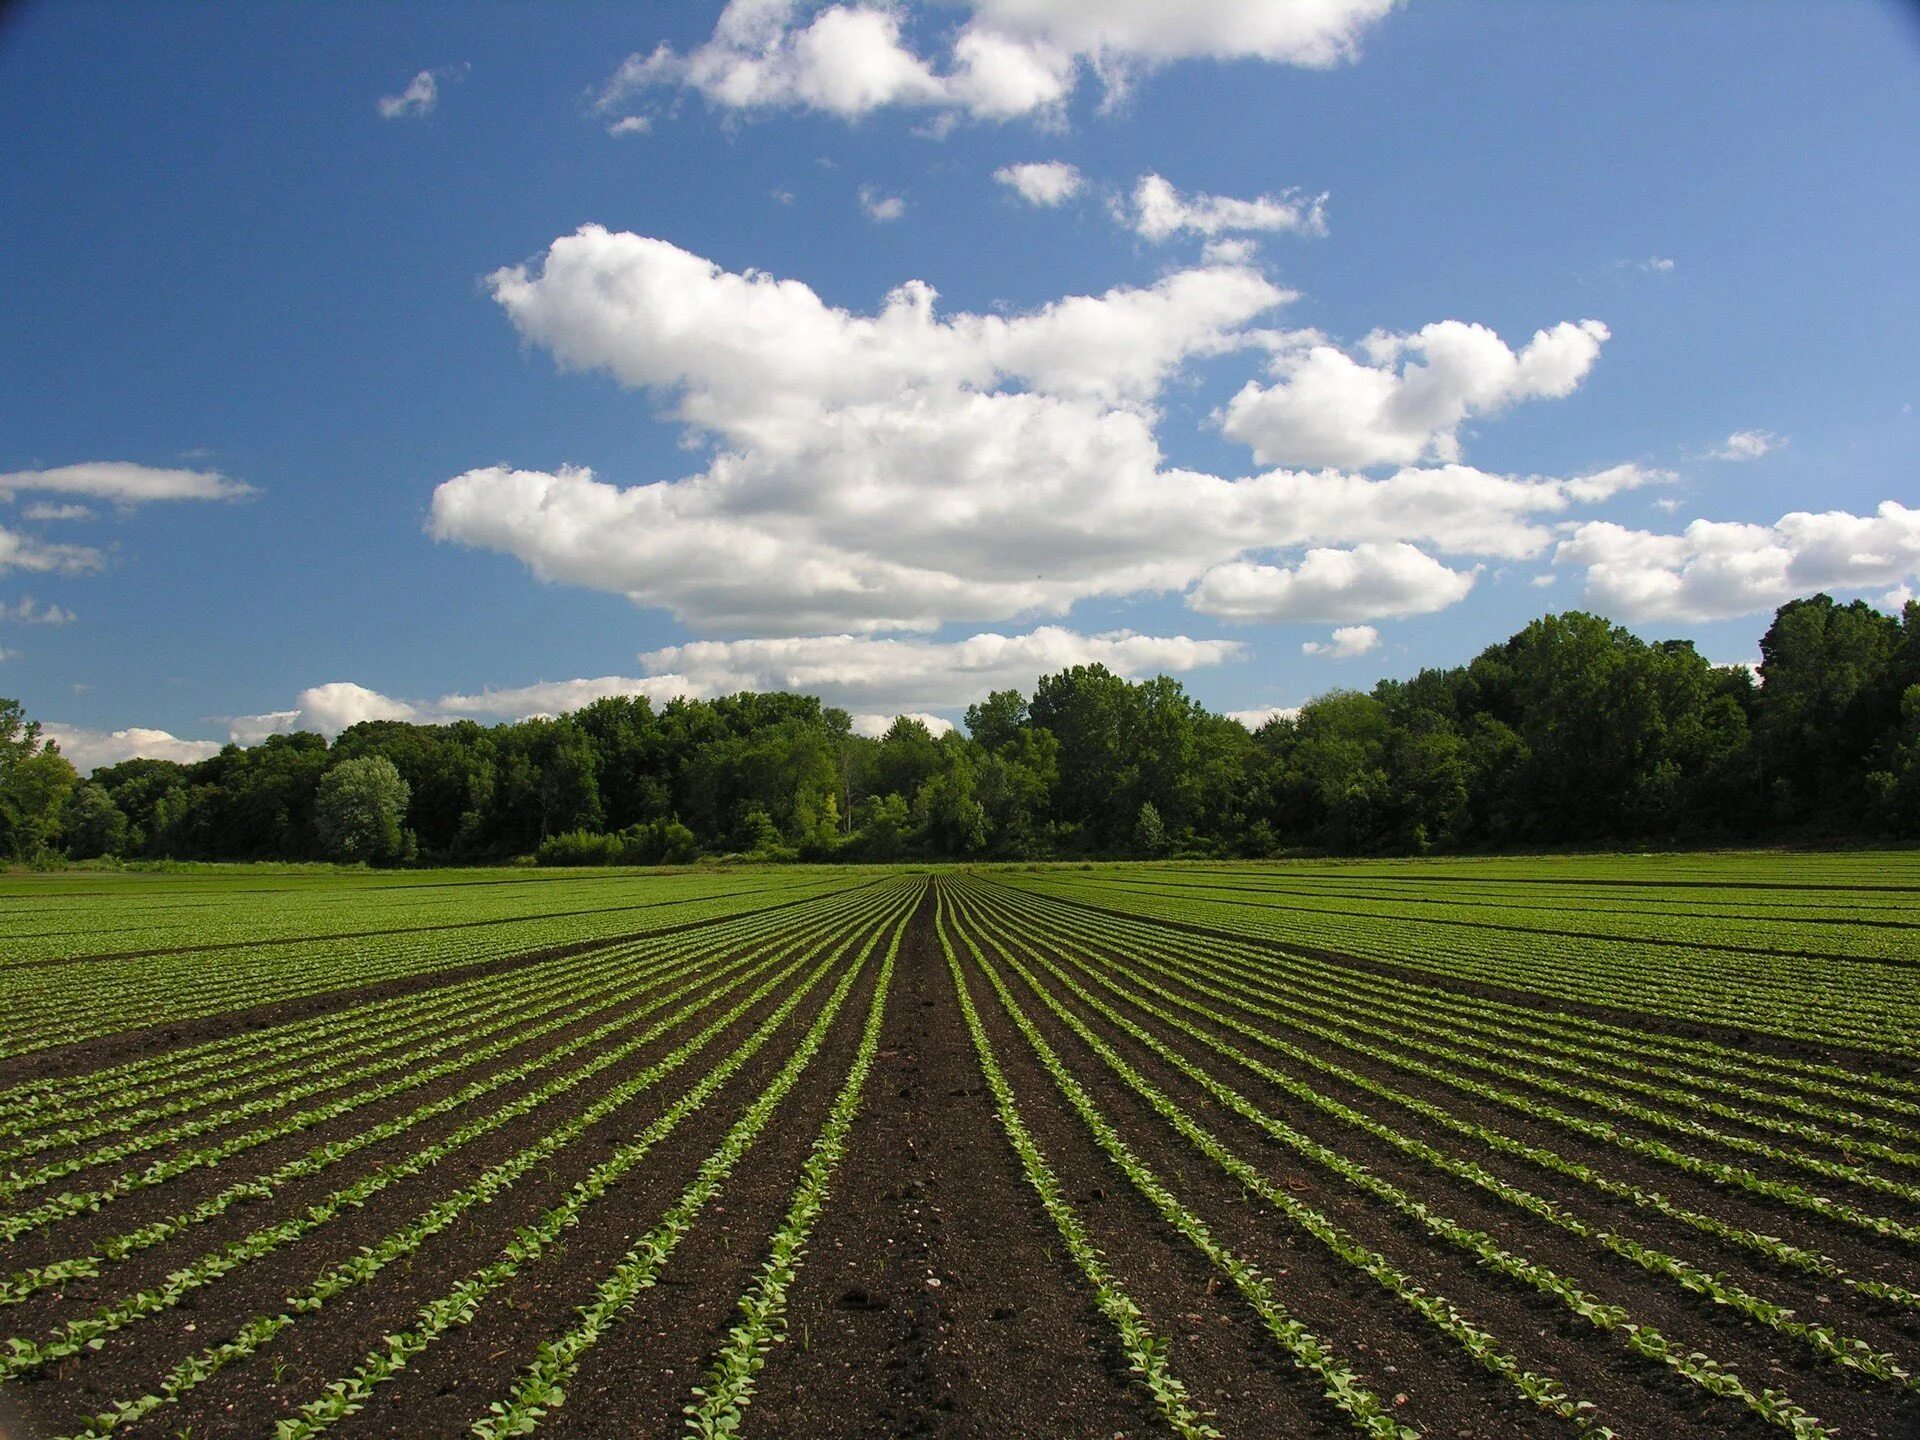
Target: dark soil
[[936, 1297]]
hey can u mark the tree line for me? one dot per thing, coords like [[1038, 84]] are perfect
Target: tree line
[[1573, 731]]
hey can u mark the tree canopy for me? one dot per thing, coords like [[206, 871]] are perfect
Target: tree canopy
[[1572, 731]]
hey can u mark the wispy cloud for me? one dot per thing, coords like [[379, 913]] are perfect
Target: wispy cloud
[[1747, 445], [422, 94], [26, 611], [881, 207], [124, 483]]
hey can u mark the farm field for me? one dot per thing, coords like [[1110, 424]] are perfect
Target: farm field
[[1589, 1145]]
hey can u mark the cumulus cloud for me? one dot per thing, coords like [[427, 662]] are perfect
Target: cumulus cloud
[[90, 749], [557, 697], [630, 125], [1254, 719], [875, 679], [881, 207], [1747, 445], [1006, 59], [1326, 408], [1043, 182], [864, 673], [124, 483], [908, 468], [874, 726], [1715, 570], [891, 470], [1346, 642], [332, 707], [26, 611], [1329, 584], [1159, 212]]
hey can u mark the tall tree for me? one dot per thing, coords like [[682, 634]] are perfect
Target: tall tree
[[360, 809]]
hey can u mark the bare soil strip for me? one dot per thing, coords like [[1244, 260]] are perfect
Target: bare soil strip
[[936, 1299]]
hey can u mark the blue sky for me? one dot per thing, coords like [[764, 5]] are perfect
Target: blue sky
[[287, 440]]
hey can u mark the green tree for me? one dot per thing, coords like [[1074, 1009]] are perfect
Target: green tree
[[883, 827], [35, 780], [1149, 832], [1830, 692], [1093, 715], [360, 809], [996, 720], [93, 825]]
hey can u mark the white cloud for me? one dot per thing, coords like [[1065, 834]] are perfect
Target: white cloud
[[1254, 719], [90, 749], [1346, 642], [1312, 33], [866, 674], [1042, 182], [880, 207], [558, 697], [876, 471], [24, 552], [124, 483], [1161, 212], [1717, 570], [909, 468], [1229, 252], [26, 612], [46, 510], [1006, 59], [419, 98], [1615, 480], [252, 729], [874, 726], [1330, 409], [1657, 265], [1542, 581], [875, 679], [1367, 581], [1897, 599], [1747, 445], [335, 706], [630, 125]]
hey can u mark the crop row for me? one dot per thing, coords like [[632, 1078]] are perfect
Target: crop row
[[1824, 1002], [485, 1019], [1216, 976], [119, 919], [680, 983], [61, 1004], [76, 1337], [1002, 925]]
